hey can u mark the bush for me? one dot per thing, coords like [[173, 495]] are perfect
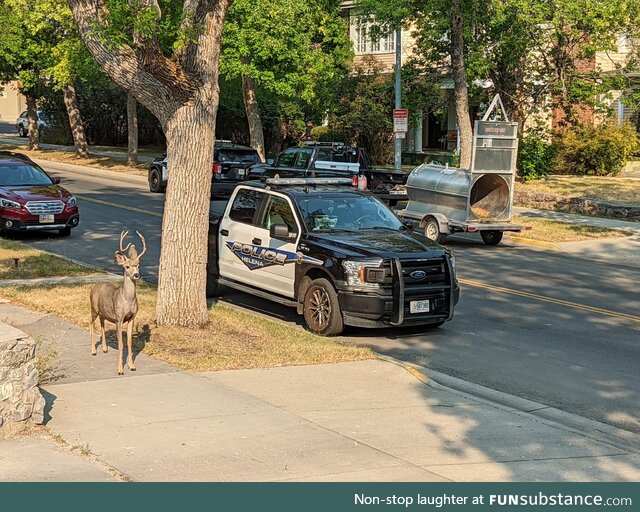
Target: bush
[[535, 156], [590, 151]]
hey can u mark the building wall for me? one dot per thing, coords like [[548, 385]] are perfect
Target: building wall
[[12, 103]]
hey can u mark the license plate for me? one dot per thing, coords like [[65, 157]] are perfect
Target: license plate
[[47, 219], [241, 173], [419, 306]]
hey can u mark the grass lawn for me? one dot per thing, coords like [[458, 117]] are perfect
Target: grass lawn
[[100, 162], [623, 190], [553, 231], [234, 339], [33, 263]]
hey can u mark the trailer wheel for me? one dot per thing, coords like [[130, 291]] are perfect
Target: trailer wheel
[[432, 231], [491, 237]]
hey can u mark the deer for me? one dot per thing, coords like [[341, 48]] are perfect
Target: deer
[[118, 304]]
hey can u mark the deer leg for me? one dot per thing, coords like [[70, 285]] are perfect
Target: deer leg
[[105, 347], [120, 349], [132, 366], [93, 343]]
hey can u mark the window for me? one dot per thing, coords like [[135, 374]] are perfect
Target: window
[[245, 205], [278, 211], [372, 37], [287, 158], [304, 155]]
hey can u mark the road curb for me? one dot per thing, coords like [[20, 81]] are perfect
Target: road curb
[[592, 429], [97, 172]]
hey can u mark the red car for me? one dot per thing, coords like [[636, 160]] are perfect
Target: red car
[[31, 200]]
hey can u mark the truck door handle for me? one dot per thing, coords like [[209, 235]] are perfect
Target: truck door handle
[[257, 241], [224, 232]]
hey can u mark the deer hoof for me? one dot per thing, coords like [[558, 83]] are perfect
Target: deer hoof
[[120, 372], [133, 369], [94, 353], [105, 350]]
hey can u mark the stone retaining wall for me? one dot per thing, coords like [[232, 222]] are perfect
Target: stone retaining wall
[[579, 205], [21, 403]]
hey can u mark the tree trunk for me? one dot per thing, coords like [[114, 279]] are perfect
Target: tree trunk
[[34, 132], [75, 121], [461, 92], [132, 124], [183, 263], [256, 133]]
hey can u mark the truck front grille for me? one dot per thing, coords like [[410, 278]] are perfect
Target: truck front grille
[[421, 273], [44, 207]]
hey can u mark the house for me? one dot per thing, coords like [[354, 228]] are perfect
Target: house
[[12, 103]]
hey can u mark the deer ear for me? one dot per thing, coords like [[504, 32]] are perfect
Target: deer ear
[[120, 258]]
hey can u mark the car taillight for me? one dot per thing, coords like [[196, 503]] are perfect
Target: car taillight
[[354, 180], [217, 168]]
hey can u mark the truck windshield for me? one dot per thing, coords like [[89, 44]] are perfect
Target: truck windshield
[[348, 213]]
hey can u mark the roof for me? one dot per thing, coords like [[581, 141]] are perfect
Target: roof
[[224, 144], [306, 190], [11, 155]]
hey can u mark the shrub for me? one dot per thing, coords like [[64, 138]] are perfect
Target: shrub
[[535, 156], [590, 151]]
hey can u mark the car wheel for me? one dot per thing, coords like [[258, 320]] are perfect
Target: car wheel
[[21, 131], [491, 237], [322, 309], [155, 181], [64, 231], [432, 231]]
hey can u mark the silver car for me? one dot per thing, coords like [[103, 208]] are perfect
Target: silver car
[[22, 123]]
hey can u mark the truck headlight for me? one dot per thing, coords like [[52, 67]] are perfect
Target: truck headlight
[[453, 261], [72, 201], [5, 203], [356, 272]]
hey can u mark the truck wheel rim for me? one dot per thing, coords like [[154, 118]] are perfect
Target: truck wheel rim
[[320, 307]]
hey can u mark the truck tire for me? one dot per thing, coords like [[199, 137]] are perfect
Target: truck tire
[[432, 231], [491, 237], [322, 309], [155, 181], [213, 288]]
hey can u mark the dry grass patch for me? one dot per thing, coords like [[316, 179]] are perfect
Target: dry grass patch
[[622, 190], [553, 231], [234, 339], [100, 162], [33, 263]]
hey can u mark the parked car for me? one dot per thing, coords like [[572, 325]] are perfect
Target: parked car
[[332, 159], [335, 253], [231, 163], [22, 123], [31, 200]]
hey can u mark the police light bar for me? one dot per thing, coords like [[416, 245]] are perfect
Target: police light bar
[[309, 181]]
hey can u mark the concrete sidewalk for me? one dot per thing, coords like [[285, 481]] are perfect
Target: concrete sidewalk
[[620, 251], [362, 421]]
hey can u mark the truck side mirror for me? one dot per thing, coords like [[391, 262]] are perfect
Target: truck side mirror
[[281, 232], [56, 181]]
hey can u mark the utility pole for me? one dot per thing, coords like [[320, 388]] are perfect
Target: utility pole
[[398, 142]]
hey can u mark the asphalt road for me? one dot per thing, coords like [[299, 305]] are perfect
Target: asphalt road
[[532, 323]]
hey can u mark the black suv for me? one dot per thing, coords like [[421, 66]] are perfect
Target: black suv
[[231, 163]]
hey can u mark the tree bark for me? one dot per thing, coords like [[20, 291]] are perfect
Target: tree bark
[[34, 132], [256, 133], [183, 93], [461, 91], [132, 125], [75, 121]]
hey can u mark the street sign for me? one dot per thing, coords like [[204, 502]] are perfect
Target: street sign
[[400, 121], [401, 135]]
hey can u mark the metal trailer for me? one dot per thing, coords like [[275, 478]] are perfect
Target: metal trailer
[[445, 200]]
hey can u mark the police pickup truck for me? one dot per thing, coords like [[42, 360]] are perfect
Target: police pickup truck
[[335, 253]]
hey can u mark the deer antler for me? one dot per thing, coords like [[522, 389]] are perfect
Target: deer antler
[[123, 235], [144, 244]]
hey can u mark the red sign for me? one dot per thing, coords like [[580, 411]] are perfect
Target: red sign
[[400, 120]]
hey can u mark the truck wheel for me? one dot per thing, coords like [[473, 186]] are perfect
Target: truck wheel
[[155, 181], [21, 131], [491, 237], [432, 231], [213, 288], [322, 308]]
